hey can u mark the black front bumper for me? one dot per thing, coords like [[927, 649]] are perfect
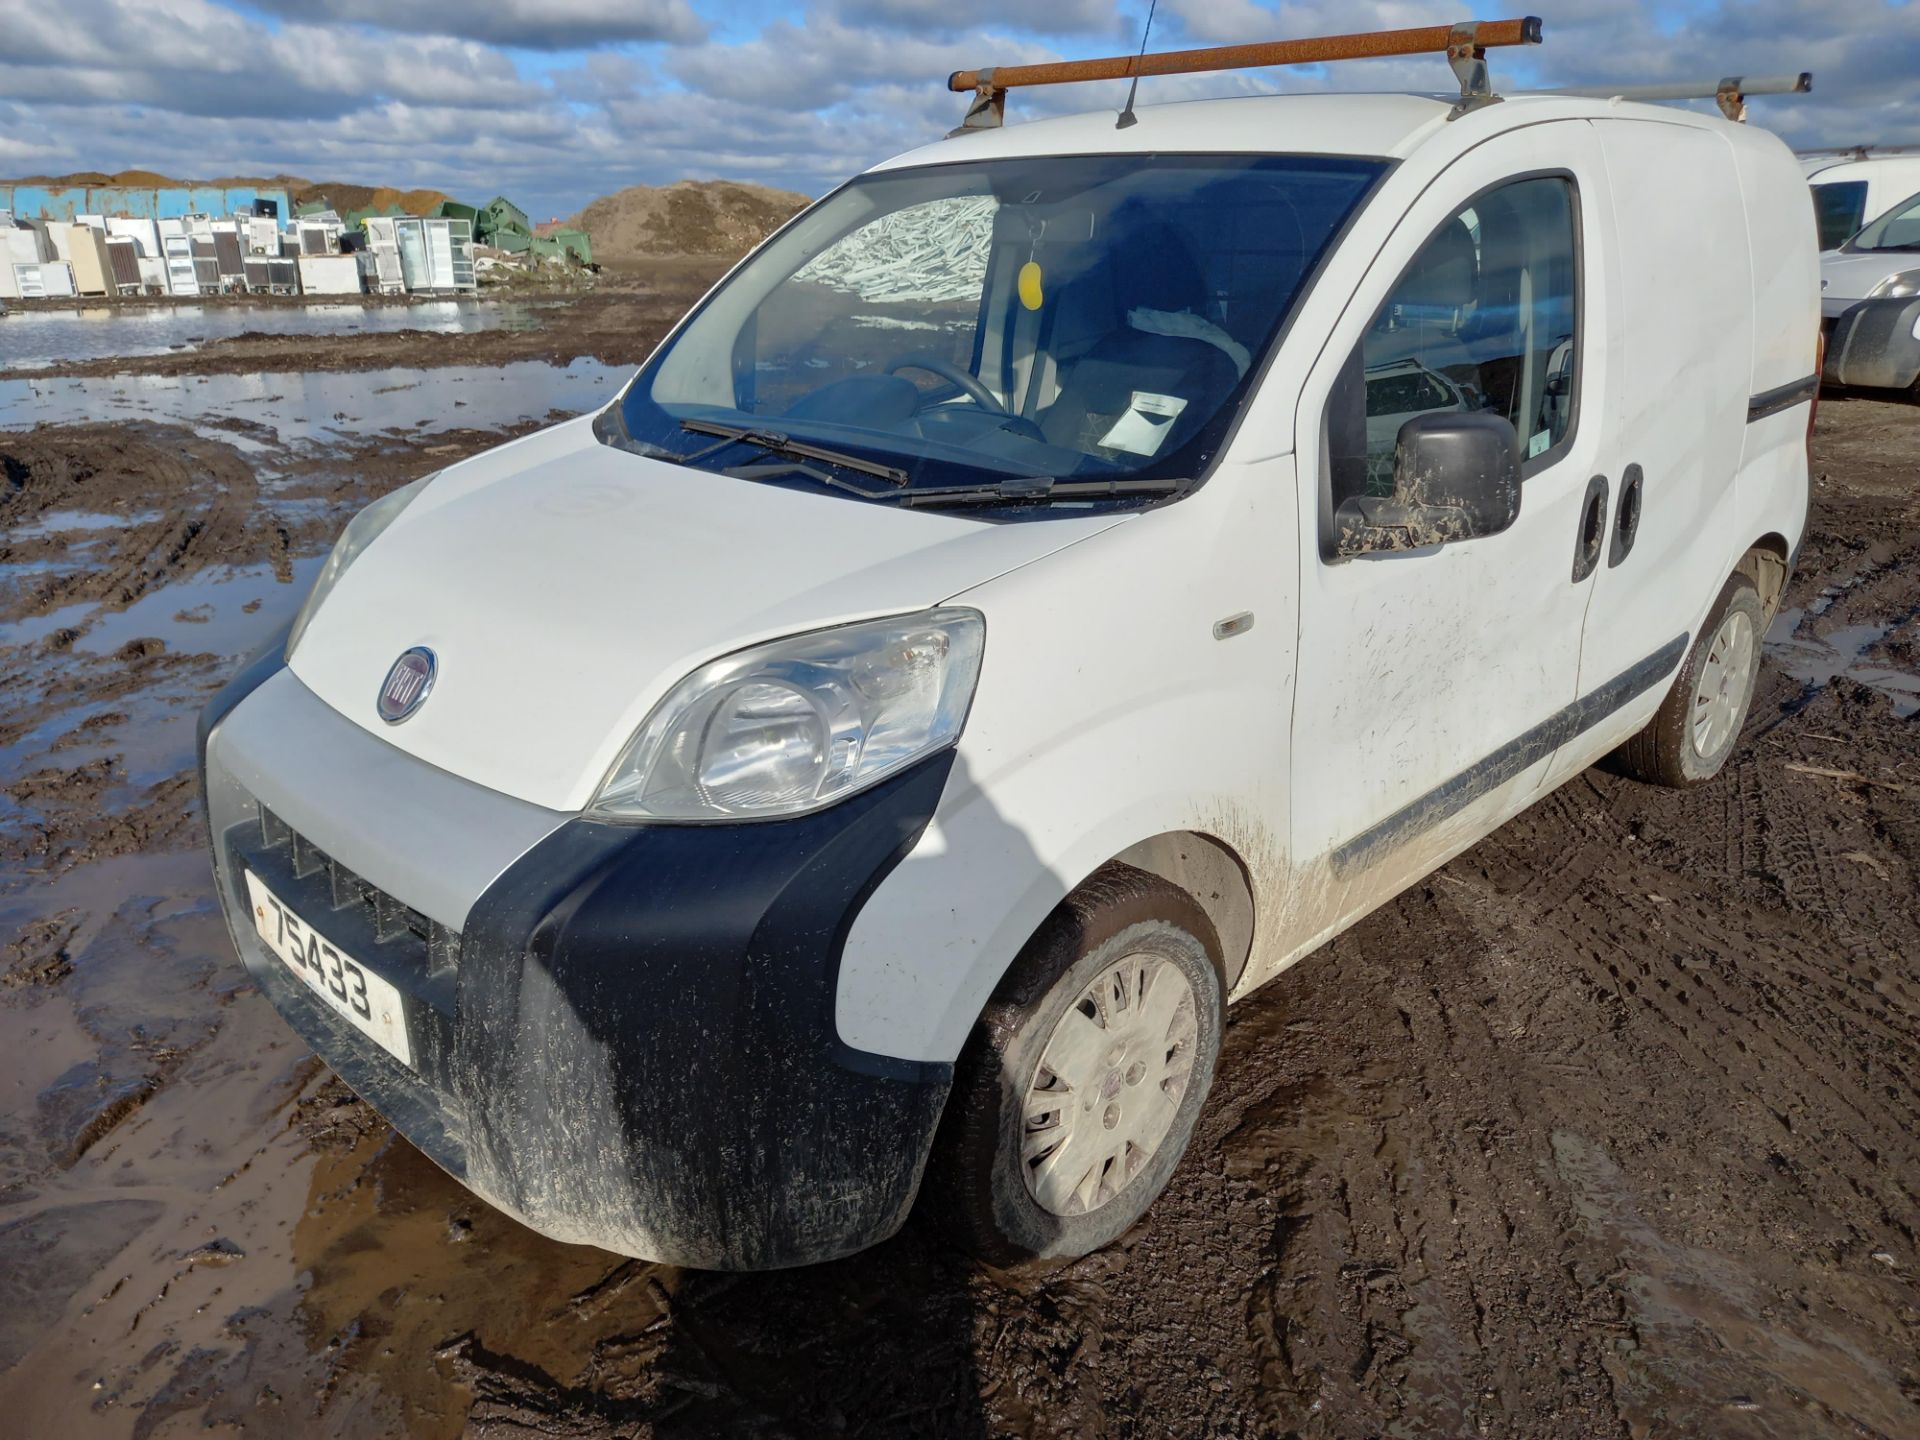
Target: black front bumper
[[631, 1043], [1873, 345]]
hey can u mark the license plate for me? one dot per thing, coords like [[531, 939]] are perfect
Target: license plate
[[352, 991]]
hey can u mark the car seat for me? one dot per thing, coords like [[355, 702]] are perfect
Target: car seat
[[1147, 265]]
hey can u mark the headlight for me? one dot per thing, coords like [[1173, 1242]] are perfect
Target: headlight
[[1897, 287], [361, 532], [799, 723]]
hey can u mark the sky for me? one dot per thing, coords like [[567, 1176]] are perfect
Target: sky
[[554, 102]]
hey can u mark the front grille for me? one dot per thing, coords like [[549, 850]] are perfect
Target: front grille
[[391, 920]]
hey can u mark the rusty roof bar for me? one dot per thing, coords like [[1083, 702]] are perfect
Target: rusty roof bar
[[1423, 40], [1795, 84]]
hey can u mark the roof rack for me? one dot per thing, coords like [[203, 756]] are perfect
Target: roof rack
[[1465, 45], [1855, 152], [1731, 92]]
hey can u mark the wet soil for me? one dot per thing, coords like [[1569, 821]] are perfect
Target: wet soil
[[617, 320], [1609, 1128]]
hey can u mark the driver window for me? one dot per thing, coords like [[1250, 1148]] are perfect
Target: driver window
[[1483, 319], [914, 278]]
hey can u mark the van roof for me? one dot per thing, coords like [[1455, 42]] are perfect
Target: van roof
[[1390, 125]]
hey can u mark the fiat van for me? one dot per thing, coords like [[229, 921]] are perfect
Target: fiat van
[[1050, 587]]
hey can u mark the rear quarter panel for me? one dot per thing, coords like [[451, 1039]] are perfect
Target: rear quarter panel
[[1771, 492]]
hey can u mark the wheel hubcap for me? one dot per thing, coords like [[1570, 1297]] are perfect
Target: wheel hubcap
[[1109, 1083], [1720, 691]]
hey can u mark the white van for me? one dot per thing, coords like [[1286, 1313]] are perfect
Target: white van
[[1857, 187], [987, 638]]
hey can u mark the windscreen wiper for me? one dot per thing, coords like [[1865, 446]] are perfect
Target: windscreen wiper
[[1037, 488], [776, 469], [774, 443]]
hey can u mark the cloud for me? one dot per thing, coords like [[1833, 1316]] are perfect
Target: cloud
[[530, 24], [195, 58], [823, 62], [1048, 17], [434, 93]]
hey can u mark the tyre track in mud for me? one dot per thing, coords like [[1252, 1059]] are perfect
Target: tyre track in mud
[[206, 494], [1609, 1128]]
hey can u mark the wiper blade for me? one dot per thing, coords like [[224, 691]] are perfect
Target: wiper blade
[[778, 468], [1038, 488], [775, 443]]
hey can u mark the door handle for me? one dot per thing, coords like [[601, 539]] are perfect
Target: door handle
[[1593, 529], [1626, 520]]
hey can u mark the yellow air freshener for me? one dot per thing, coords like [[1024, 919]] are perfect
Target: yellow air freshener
[[1030, 295]]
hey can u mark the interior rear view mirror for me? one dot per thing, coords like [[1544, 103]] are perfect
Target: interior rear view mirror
[[1456, 476]]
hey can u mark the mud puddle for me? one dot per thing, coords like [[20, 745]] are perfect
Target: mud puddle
[[34, 339], [616, 318], [258, 414], [1847, 652]]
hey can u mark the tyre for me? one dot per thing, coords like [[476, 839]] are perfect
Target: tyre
[[1082, 1082], [1694, 731]]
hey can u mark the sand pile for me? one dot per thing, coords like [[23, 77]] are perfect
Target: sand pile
[[344, 197], [688, 217]]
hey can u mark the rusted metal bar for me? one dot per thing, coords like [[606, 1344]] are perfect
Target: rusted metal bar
[[1797, 84], [1422, 40]]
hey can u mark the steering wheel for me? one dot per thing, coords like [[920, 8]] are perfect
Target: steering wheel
[[968, 383]]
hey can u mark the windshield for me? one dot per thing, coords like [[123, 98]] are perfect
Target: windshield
[[1898, 229], [1066, 319]]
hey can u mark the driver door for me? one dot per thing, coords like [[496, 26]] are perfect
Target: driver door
[[1435, 684]]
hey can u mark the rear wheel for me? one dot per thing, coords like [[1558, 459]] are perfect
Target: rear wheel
[[1085, 1076], [1694, 731]]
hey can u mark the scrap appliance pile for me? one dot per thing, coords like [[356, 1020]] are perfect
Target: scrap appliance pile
[[183, 241]]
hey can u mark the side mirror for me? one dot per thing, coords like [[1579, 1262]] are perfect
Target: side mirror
[[1456, 476]]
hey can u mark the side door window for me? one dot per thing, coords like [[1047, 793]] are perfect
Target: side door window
[[1838, 209], [1485, 318]]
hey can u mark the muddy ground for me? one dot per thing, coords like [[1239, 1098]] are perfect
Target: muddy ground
[[1611, 1128], [616, 318]]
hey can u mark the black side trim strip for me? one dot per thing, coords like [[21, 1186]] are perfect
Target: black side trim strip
[[1450, 798], [1782, 397]]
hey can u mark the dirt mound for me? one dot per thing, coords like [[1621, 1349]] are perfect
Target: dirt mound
[[340, 194], [146, 177], [344, 197], [688, 217]]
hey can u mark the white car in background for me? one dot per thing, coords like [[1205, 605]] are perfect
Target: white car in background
[[1870, 303], [1853, 189]]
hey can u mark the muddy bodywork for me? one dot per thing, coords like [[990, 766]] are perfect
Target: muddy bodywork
[[1456, 476], [629, 1040]]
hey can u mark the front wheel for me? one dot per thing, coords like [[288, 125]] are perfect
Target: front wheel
[[1693, 732], [1084, 1079]]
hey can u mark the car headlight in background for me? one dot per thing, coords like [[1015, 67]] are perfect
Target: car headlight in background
[[797, 724], [1897, 287], [361, 532]]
